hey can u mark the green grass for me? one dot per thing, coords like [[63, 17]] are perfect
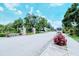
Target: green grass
[[2, 34], [75, 37], [29, 33]]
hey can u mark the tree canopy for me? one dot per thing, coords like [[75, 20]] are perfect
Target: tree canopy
[[30, 21], [71, 16]]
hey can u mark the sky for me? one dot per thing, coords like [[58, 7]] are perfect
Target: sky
[[54, 12]]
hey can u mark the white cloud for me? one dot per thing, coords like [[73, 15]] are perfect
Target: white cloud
[[50, 21], [38, 12], [57, 23], [1, 9], [18, 12], [11, 6], [43, 16], [31, 10], [56, 4]]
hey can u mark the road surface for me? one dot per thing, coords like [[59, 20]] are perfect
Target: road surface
[[28, 45], [71, 49], [36, 45]]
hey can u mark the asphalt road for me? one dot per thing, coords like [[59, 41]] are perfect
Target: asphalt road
[[35, 45], [71, 49], [28, 45]]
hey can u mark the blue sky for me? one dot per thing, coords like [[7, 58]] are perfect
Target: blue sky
[[54, 12]]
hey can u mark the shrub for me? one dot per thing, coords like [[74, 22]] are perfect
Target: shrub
[[77, 32], [2, 34], [63, 31]]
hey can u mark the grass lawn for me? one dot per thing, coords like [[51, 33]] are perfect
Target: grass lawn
[[75, 37], [29, 33]]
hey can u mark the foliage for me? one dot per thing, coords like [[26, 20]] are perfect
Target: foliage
[[35, 21], [30, 21], [72, 15], [2, 34], [18, 24]]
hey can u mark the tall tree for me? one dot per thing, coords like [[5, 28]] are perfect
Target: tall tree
[[18, 24], [72, 15]]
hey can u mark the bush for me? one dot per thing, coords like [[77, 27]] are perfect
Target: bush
[[71, 32], [77, 32], [63, 31], [2, 34]]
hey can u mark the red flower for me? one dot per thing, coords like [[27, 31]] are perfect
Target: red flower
[[60, 40]]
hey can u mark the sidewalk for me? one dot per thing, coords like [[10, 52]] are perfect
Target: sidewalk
[[54, 50], [72, 49]]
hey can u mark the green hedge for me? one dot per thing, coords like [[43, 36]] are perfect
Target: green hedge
[[2, 34]]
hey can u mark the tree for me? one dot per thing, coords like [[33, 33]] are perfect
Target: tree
[[34, 21], [18, 24], [1, 28], [28, 23], [50, 26], [9, 28], [72, 15], [41, 24]]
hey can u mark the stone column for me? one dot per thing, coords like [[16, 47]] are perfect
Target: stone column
[[45, 29], [33, 30], [24, 31]]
